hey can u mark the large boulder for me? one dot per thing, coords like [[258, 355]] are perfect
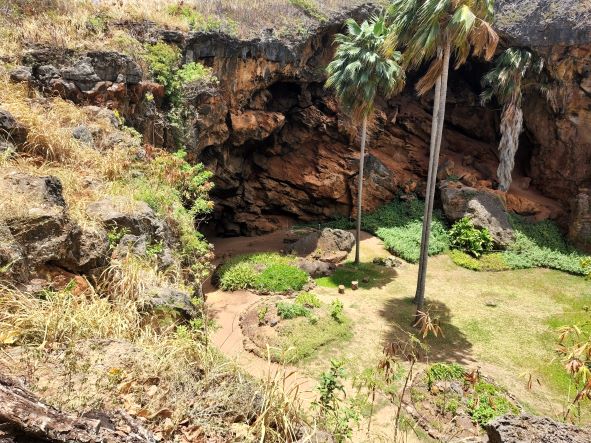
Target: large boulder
[[10, 129], [531, 429], [485, 208], [255, 125], [35, 214], [169, 300], [327, 245], [134, 217], [88, 249]]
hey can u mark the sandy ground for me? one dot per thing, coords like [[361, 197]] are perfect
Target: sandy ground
[[491, 321]]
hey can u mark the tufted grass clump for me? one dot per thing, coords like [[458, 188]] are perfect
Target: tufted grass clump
[[288, 311], [265, 272]]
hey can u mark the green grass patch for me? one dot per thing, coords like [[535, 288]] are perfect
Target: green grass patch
[[399, 225], [300, 338], [349, 272], [542, 245], [267, 272], [287, 310], [308, 300], [487, 262]]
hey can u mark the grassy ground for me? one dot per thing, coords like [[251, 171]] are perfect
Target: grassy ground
[[504, 322]]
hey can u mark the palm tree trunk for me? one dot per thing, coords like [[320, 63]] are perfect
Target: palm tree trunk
[[425, 233], [511, 128], [431, 181], [360, 188]]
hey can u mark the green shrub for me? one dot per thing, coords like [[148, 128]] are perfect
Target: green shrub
[[280, 277], [239, 276], [405, 241], [444, 372], [464, 236], [163, 61], [336, 310], [488, 402], [262, 271], [288, 311], [308, 299]]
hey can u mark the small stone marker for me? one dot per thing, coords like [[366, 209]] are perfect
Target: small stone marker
[[365, 280], [354, 285], [341, 289]]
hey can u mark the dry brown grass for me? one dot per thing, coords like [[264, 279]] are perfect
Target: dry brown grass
[[65, 24], [50, 148]]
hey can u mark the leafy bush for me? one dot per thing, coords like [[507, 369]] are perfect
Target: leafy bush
[[288, 311], [308, 299], [262, 271], [444, 372], [488, 402], [336, 310], [464, 236], [280, 277]]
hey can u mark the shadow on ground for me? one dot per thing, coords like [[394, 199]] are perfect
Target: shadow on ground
[[452, 346]]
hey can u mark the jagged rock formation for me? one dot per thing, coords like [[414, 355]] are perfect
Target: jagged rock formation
[[281, 150]]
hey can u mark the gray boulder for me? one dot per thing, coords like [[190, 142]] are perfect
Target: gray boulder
[[88, 249], [326, 245], [21, 74], [10, 129], [169, 300], [83, 134], [136, 217], [485, 208], [531, 429], [34, 225], [315, 268]]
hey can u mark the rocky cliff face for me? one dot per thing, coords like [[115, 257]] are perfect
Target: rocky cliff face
[[281, 150]]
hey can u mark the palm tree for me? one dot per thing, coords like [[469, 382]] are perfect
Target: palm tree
[[505, 81], [430, 30], [359, 73]]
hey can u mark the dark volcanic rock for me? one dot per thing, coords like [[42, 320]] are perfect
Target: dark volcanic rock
[[10, 129], [531, 429], [169, 299], [544, 22], [328, 245], [485, 208], [135, 217]]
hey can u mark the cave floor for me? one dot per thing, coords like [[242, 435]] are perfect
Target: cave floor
[[502, 323]]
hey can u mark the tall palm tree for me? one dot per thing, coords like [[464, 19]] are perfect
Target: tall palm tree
[[505, 82], [431, 30], [359, 73]]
